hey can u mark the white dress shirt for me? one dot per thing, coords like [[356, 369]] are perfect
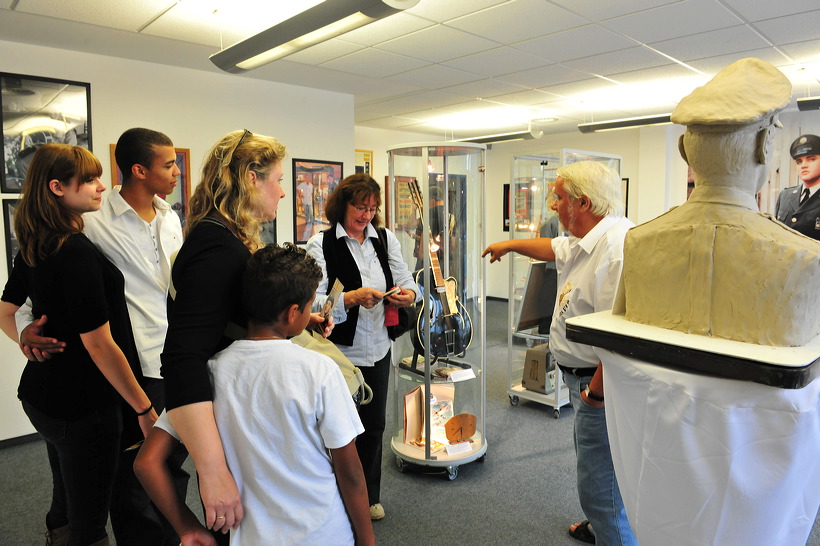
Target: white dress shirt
[[371, 342], [589, 270], [142, 251]]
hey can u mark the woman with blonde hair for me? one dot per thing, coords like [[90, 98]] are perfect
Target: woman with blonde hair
[[240, 189], [73, 400]]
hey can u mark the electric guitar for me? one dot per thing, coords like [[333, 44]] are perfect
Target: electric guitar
[[451, 330]]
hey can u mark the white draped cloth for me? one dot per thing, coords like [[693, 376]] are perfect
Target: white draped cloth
[[705, 460]]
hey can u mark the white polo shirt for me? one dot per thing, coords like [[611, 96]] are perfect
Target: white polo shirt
[[142, 251], [589, 270]]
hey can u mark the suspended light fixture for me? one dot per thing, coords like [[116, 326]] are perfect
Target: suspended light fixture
[[535, 131], [627, 123], [808, 103], [322, 22]]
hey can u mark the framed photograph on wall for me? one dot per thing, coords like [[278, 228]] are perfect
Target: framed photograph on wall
[[313, 181], [364, 161], [625, 194], [39, 111], [182, 192], [12, 246]]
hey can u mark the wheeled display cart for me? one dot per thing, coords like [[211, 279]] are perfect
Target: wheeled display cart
[[533, 285], [434, 198]]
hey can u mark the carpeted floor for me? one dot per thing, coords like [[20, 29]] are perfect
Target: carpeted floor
[[523, 492]]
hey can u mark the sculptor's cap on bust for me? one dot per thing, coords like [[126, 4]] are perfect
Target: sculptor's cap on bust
[[805, 145], [745, 92]]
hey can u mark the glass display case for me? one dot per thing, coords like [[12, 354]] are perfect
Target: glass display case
[[532, 374], [434, 205]]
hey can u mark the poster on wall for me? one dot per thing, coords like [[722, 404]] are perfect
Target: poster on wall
[[364, 161], [39, 111], [313, 181], [178, 199]]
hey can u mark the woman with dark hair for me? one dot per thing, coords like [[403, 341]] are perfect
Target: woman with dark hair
[[367, 260], [73, 399]]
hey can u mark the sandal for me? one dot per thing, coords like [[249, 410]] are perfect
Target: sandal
[[582, 532]]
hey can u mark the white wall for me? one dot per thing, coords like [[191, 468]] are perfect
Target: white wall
[[378, 140], [194, 108]]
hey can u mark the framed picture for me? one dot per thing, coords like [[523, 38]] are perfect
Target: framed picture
[[12, 246], [403, 207], [506, 208], [182, 192], [39, 111], [313, 181], [625, 194], [364, 161]]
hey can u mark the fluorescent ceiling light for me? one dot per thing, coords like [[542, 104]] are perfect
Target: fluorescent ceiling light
[[502, 137], [317, 24], [627, 123], [808, 103]]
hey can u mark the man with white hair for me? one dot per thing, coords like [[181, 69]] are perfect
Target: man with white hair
[[588, 202]]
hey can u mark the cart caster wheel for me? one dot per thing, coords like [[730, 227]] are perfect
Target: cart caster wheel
[[556, 413], [513, 400], [481, 459], [452, 472], [530, 343], [401, 465]]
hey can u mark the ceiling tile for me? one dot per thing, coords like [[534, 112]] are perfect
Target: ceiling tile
[[374, 63], [444, 11], [793, 28], [434, 76], [488, 87], [546, 75], [710, 44], [575, 43], [625, 60], [410, 103], [595, 10], [575, 89], [517, 21], [671, 71], [674, 20], [524, 98], [754, 10], [495, 62], [120, 14], [803, 52], [713, 65], [437, 44]]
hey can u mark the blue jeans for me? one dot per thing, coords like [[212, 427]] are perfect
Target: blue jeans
[[83, 455], [597, 487]]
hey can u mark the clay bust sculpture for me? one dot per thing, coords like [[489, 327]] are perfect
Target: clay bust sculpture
[[715, 266]]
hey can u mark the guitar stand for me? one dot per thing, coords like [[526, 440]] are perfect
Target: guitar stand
[[416, 355]]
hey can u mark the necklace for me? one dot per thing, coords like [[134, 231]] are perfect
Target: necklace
[[260, 338]]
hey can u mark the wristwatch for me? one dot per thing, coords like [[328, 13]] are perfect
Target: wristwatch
[[592, 396]]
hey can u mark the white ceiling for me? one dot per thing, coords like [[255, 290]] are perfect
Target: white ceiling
[[476, 60]]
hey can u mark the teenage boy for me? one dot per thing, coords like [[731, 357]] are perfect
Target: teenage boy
[[286, 419], [799, 206], [138, 232]]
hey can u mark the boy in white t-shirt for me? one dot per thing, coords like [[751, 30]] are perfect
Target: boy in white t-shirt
[[280, 408]]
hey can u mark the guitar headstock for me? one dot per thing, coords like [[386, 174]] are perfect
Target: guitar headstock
[[415, 195]]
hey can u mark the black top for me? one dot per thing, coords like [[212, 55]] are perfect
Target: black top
[[207, 276], [79, 290]]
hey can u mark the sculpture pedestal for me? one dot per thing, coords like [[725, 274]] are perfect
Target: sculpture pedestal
[[711, 460]]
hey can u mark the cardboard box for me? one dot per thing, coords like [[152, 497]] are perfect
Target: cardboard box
[[535, 368]]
